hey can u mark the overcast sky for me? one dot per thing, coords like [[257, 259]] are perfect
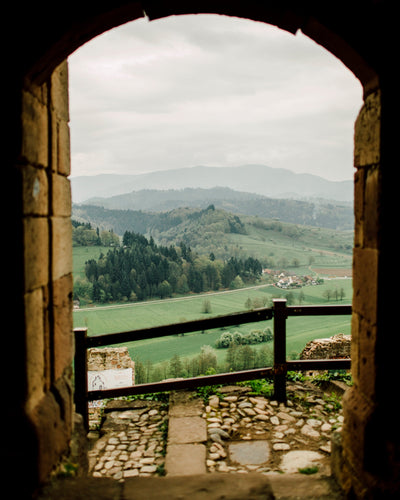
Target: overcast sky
[[210, 90]]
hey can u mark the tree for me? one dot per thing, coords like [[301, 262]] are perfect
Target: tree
[[206, 308], [82, 288], [268, 334], [182, 284], [231, 357], [175, 367], [109, 238], [225, 341], [207, 359], [140, 373], [164, 289], [195, 280], [265, 357], [237, 282]]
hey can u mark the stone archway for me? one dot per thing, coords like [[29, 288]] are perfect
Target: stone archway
[[42, 266]]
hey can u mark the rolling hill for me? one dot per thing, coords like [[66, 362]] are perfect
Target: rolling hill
[[319, 213], [226, 234]]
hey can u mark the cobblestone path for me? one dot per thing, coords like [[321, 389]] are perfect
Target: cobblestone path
[[235, 431]]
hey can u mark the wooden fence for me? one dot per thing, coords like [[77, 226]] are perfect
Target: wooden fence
[[278, 313]]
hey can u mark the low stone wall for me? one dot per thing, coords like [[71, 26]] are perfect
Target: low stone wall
[[110, 358], [337, 346]]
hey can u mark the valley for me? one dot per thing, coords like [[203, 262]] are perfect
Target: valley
[[306, 263]]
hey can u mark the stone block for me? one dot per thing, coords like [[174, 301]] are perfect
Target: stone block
[[367, 132], [61, 197], [371, 208], [36, 248], [365, 283], [63, 341], [250, 452], [62, 246], [185, 459], [35, 135], [64, 153], [186, 430], [35, 191], [35, 367], [59, 91]]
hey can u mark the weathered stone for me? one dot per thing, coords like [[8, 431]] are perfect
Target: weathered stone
[[309, 431], [214, 401], [185, 430], [220, 432], [281, 446], [251, 452], [185, 459], [338, 346], [274, 420], [295, 460]]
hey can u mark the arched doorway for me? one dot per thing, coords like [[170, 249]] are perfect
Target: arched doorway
[[43, 281]]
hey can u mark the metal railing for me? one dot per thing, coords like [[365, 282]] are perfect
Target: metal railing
[[279, 313]]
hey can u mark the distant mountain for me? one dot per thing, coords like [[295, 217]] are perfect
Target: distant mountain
[[334, 215], [258, 179]]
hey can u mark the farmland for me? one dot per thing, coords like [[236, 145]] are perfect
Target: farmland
[[317, 252], [124, 317]]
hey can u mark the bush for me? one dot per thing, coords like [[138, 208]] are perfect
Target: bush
[[254, 337]]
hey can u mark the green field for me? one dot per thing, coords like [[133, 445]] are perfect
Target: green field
[[321, 247], [127, 317]]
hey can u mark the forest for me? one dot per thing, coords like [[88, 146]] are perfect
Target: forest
[[140, 269]]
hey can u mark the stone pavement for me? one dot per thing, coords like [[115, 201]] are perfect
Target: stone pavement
[[132, 441], [234, 433], [238, 446]]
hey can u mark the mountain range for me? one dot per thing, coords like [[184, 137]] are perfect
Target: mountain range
[[257, 179], [320, 213]]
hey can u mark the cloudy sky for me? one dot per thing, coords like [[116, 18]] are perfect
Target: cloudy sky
[[210, 90]]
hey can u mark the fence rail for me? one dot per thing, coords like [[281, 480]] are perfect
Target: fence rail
[[279, 313]]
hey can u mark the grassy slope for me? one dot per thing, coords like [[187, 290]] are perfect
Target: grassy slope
[[140, 315], [317, 244]]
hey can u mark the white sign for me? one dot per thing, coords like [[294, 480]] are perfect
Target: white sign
[[109, 379]]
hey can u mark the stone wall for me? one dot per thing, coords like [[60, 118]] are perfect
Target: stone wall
[[338, 346], [46, 263], [110, 358]]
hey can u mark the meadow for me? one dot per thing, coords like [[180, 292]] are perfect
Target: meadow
[[125, 317]]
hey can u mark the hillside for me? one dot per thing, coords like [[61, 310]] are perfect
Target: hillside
[[226, 234], [258, 179], [181, 224], [141, 210], [320, 213]]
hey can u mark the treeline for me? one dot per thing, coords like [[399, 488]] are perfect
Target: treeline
[[238, 357], [140, 270], [83, 234]]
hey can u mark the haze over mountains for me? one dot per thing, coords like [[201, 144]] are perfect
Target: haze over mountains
[[256, 179]]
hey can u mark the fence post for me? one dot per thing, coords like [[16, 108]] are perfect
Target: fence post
[[81, 375], [280, 367]]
